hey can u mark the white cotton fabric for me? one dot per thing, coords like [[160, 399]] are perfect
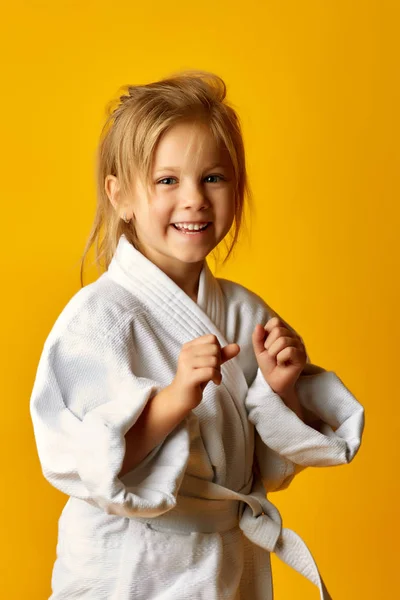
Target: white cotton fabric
[[193, 520]]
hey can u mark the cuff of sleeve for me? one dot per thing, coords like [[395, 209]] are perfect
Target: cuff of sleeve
[[151, 488], [276, 471], [282, 430]]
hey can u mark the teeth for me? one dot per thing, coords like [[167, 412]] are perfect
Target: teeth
[[191, 226]]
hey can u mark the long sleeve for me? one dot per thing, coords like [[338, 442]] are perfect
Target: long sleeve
[[85, 398], [287, 435], [276, 471]]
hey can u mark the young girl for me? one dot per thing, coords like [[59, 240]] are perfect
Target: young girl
[[168, 402]]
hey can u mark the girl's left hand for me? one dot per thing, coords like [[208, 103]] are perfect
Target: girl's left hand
[[280, 354]]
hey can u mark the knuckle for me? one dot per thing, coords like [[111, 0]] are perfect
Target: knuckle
[[275, 321]]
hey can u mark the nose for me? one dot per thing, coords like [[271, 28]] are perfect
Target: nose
[[194, 196]]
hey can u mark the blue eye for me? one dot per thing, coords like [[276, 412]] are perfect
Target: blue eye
[[169, 179], [165, 179], [214, 176]]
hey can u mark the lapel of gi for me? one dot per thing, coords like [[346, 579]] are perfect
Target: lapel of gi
[[163, 296]]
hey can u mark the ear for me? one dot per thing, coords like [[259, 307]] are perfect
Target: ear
[[112, 189]]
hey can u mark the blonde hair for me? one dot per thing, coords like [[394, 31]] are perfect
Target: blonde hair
[[128, 142]]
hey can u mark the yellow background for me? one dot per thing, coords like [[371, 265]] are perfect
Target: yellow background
[[316, 85]]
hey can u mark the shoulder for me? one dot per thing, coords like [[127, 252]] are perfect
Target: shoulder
[[99, 310], [241, 299], [243, 302]]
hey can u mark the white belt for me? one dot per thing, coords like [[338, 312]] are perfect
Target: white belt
[[208, 507]]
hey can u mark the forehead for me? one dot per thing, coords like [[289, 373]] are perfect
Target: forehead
[[189, 144]]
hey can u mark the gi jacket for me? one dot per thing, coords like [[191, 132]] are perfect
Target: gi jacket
[[193, 519]]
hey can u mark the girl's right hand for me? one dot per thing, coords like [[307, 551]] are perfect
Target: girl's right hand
[[199, 362]]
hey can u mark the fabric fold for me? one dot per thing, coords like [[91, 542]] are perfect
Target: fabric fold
[[259, 520], [116, 345], [82, 450], [286, 434], [276, 471]]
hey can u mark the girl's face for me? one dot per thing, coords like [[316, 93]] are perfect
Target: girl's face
[[192, 184]]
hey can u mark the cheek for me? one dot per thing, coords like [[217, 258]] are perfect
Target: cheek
[[226, 208], [158, 215]]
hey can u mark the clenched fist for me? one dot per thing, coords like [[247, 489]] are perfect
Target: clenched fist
[[199, 363], [280, 354]]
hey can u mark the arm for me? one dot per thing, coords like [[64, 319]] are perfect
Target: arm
[[285, 444], [325, 396], [173, 404], [159, 417], [292, 401], [321, 426], [84, 400]]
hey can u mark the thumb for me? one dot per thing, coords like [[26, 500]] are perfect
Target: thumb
[[258, 339], [229, 351]]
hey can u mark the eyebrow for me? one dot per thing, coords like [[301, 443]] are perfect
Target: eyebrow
[[177, 168]]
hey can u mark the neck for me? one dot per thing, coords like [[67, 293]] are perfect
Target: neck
[[185, 275]]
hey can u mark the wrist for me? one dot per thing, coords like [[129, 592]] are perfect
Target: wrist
[[292, 401], [181, 399]]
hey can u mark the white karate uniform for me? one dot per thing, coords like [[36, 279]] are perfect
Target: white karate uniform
[[192, 521]]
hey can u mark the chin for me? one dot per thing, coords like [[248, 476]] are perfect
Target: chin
[[191, 258]]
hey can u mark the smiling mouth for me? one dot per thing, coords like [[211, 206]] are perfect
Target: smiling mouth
[[187, 231]]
